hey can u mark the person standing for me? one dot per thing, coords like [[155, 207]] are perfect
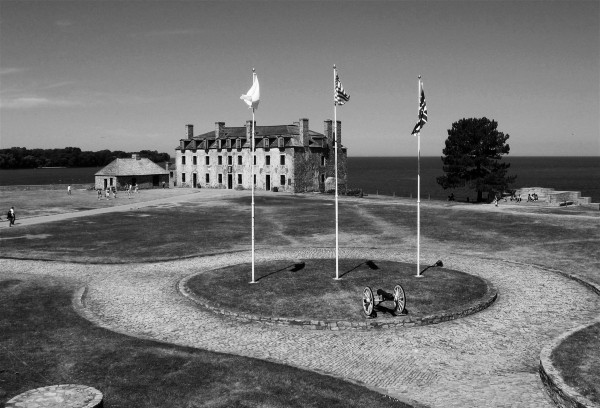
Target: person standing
[[11, 216], [99, 194]]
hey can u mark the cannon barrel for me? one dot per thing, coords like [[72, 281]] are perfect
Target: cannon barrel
[[385, 295]]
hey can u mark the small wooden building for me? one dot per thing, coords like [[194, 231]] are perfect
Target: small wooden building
[[135, 171]]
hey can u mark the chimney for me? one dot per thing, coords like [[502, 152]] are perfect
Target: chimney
[[249, 129], [303, 131], [135, 156], [190, 131], [328, 131], [219, 129], [339, 133]]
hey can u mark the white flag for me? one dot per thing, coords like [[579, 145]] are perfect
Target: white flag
[[253, 96]]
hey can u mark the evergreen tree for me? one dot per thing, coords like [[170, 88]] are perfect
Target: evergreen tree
[[473, 157]]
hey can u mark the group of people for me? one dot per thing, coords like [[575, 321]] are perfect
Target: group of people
[[532, 197], [131, 189]]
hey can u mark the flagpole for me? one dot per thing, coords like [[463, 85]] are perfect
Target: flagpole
[[252, 180], [419, 186], [335, 144]]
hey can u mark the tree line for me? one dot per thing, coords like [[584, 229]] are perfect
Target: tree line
[[23, 158]]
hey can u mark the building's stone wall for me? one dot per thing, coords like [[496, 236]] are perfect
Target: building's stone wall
[[143, 182], [218, 173], [303, 169]]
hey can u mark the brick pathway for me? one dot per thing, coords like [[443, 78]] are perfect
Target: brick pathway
[[489, 359]]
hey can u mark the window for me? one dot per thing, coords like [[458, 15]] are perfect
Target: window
[[207, 160], [230, 160], [219, 144], [207, 178], [322, 178], [255, 160], [194, 160], [238, 143], [239, 179], [220, 179], [266, 143], [228, 143], [239, 160], [182, 160], [255, 179], [282, 180], [280, 142], [282, 159], [268, 160], [322, 160], [183, 177], [220, 160]]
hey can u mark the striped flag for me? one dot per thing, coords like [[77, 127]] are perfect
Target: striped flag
[[422, 113], [339, 96]]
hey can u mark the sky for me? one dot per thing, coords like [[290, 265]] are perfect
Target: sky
[[130, 75]]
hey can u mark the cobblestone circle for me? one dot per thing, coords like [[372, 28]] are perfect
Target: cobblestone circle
[[383, 322], [488, 359]]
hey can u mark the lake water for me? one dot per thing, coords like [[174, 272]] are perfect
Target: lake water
[[392, 175]]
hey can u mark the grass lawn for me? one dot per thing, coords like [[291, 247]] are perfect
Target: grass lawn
[[34, 203], [578, 360], [307, 290], [203, 226], [44, 342], [566, 239]]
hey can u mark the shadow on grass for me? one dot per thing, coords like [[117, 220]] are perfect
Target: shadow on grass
[[295, 268], [372, 265]]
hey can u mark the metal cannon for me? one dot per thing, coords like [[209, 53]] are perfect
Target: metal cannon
[[371, 301]]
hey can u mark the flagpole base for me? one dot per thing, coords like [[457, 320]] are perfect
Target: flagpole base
[[418, 276], [337, 278], [253, 282]]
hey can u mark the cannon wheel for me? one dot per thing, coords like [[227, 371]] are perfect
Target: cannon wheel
[[368, 302], [399, 299]]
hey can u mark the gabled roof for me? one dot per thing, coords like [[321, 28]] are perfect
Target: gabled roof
[[131, 167], [288, 132]]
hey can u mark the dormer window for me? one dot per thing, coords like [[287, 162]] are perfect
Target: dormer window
[[266, 143], [219, 144], [228, 143], [280, 142], [206, 144], [238, 143]]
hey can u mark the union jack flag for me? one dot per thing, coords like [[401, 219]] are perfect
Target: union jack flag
[[422, 113], [339, 96]]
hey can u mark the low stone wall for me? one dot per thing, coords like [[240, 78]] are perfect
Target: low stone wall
[[558, 197], [563, 395], [368, 324], [550, 196]]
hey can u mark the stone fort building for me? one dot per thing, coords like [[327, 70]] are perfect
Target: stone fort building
[[291, 158]]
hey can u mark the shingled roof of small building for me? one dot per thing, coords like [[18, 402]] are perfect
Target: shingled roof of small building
[[131, 167]]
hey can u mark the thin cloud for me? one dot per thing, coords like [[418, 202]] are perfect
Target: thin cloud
[[168, 33], [58, 85], [32, 102], [6, 71], [63, 23]]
